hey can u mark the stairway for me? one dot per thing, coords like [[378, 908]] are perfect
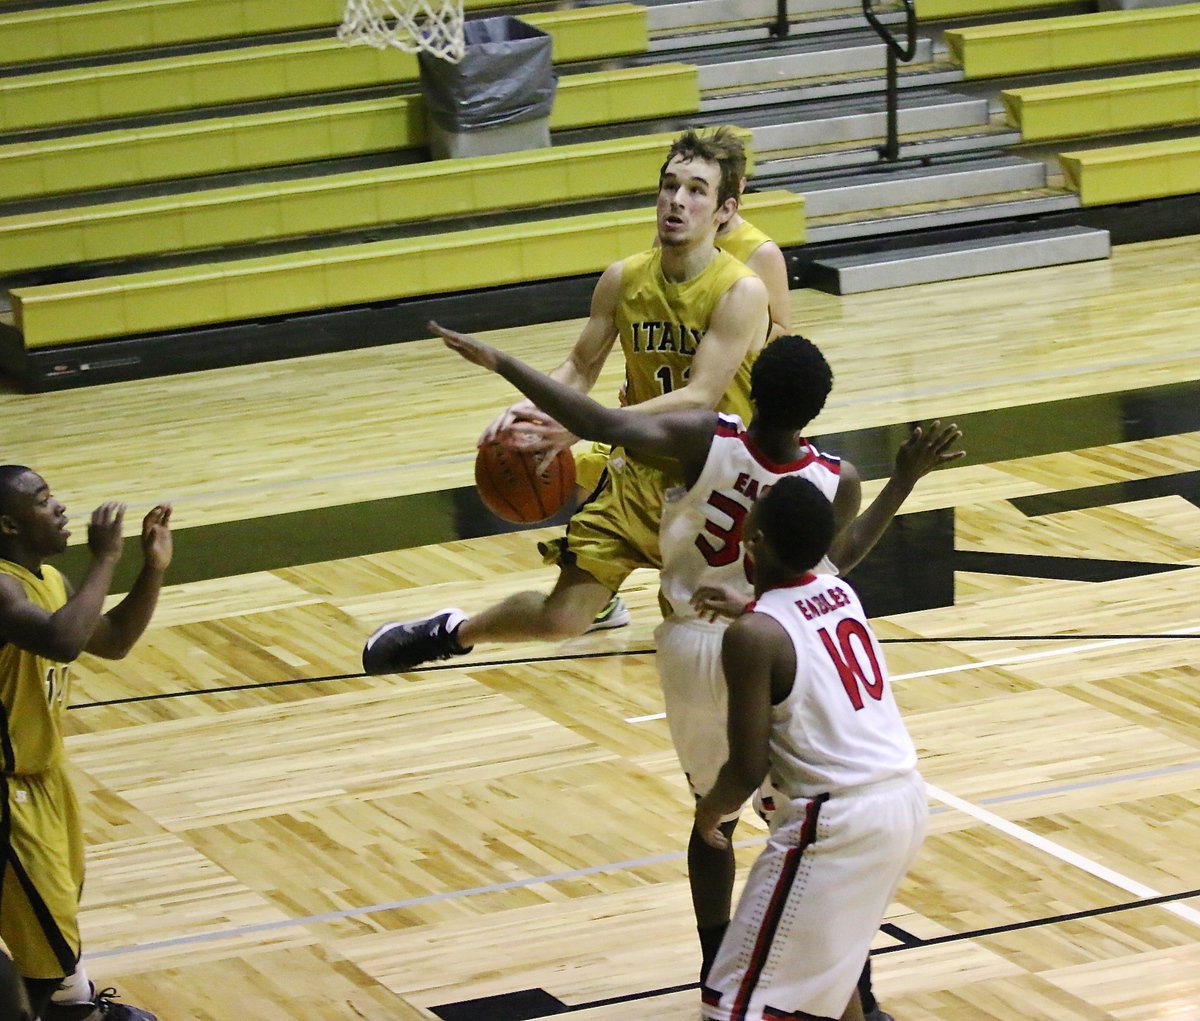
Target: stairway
[[977, 256]]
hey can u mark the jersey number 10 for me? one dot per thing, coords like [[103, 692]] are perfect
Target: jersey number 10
[[849, 667]]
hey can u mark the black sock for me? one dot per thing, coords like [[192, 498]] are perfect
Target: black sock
[[710, 943], [39, 991], [869, 1003]]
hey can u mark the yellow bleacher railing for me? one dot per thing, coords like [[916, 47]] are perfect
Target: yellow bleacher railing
[[1084, 40], [241, 75], [1134, 173], [193, 148], [1104, 106]]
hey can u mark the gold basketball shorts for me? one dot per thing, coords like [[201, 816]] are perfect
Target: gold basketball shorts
[[616, 530], [41, 845]]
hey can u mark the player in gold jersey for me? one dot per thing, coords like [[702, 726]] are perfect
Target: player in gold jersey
[[690, 319], [44, 626], [749, 245], [746, 243]]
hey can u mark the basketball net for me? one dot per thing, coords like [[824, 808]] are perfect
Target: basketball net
[[435, 26]]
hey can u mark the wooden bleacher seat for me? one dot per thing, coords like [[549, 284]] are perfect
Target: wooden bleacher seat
[[193, 148], [241, 75], [1084, 40], [247, 289], [1132, 173], [1106, 106]]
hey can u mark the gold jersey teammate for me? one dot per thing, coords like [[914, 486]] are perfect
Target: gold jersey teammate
[[44, 626], [690, 319]]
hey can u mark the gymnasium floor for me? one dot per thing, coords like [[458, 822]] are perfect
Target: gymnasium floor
[[274, 836]]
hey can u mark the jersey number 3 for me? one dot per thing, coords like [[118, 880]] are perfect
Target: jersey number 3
[[846, 660], [731, 537]]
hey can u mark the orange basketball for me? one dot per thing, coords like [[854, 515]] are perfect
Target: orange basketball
[[511, 488]]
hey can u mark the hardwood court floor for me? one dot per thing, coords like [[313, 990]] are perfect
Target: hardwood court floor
[[273, 836]]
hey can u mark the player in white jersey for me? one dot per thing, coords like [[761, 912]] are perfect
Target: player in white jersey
[[811, 706], [725, 466]]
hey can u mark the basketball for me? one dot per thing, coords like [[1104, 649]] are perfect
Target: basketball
[[511, 488]]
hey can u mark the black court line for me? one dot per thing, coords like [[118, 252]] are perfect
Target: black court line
[[615, 654], [532, 1004], [1034, 923]]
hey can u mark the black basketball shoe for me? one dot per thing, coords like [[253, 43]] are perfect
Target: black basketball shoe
[[102, 1008], [401, 646]]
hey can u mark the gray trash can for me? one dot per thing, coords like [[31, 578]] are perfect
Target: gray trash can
[[497, 98]]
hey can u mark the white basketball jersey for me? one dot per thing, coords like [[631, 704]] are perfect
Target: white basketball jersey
[[701, 529], [840, 726]]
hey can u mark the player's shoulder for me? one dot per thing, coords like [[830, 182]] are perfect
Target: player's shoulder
[[639, 262], [755, 630]]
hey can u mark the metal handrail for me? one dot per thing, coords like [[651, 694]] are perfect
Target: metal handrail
[[891, 148], [780, 26]]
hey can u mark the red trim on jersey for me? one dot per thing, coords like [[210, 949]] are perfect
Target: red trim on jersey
[[807, 578], [774, 913], [726, 426], [808, 456]]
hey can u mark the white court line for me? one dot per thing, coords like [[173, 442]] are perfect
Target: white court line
[[1027, 657], [528, 881], [1063, 854]]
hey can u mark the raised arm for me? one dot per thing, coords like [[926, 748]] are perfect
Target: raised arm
[[921, 453], [63, 634], [117, 631], [579, 371], [683, 436]]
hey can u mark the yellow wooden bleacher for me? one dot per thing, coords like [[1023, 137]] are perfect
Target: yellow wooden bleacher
[[215, 293], [113, 26], [1106, 106], [945, 10], [194, 148], [145, 87], [265, 211], [1084, 40], [1133, 173]]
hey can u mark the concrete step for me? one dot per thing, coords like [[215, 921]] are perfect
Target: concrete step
[[705, 23], [853, 274], [965, 141], [682, 15], [886, 187], [832, 123], [752, 68], [745, 84], [938, 215]]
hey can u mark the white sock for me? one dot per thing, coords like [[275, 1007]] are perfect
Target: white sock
[[75, 988]]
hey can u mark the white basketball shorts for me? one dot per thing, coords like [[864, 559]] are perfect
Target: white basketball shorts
[[813, 902]]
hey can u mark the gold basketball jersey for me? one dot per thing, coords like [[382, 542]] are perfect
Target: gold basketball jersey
[[33, 689], [662, 323], [742, 241]]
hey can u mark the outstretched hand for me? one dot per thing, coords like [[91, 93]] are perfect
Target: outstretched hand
[[521, 426], [471, 348], [157, 541], [927, 449]]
